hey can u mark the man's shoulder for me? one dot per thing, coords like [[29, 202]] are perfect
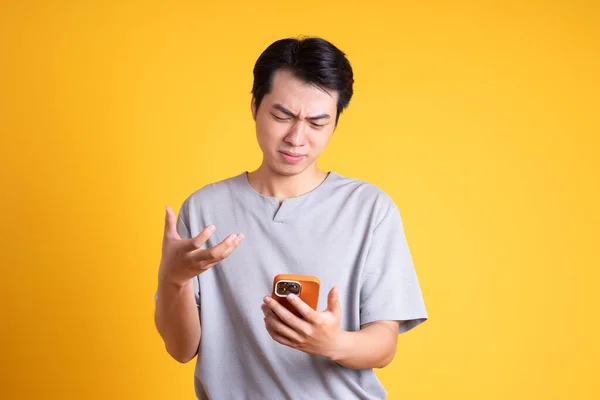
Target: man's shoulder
[[364, 191], [213, 191]]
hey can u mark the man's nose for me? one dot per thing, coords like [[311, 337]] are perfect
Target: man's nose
[[297, 134]]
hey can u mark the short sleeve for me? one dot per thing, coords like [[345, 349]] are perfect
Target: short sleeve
[[182, 227], [185, 233], [390, 289]]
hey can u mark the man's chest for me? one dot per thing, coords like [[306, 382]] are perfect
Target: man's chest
[[333, 252]]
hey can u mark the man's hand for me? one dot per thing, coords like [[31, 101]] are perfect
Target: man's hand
[[182, 259], [176, 315], [318, 333]]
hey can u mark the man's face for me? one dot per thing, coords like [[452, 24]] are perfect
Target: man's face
[[294, 124]]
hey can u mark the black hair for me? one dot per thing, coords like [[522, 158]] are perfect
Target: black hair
[[312, 59]]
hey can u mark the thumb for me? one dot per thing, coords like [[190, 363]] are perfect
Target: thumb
[[170, 225], [333, 301]]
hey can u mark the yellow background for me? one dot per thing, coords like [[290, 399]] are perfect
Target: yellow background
[[480, 119]]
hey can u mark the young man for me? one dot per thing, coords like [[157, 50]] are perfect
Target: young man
[[232, 237]]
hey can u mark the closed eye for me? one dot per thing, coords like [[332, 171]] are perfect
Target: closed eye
[[284, 119], [280, 118]]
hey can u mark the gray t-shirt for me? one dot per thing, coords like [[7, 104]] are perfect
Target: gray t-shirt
[[347, 232]]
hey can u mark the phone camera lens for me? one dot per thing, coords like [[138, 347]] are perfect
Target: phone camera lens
[[293, 288]]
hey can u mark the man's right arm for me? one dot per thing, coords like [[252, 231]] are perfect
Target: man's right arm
[[176, 312], [177, 320]]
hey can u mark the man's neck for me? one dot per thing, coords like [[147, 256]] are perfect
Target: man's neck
[[284, 187]]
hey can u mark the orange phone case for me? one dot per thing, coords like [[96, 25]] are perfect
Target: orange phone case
[[309, 290]]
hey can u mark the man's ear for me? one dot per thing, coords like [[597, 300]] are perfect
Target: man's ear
[[253, 107]]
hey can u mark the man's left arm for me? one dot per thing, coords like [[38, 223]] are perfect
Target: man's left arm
[[373, 346], [320, 333]]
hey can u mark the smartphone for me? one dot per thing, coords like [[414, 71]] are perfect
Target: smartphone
[[306, 287]]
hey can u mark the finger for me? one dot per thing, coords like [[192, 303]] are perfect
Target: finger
[[170, 224], [286, 316], [267, 311], [333, 301], [279, 327], [307, 312], [236, 243], [198, 241], [277, 337], [217, 253]]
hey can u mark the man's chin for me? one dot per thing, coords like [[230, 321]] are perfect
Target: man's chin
[[284, 169]]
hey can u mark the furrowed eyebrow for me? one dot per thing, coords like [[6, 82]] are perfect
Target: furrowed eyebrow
[[287, 112], [322, 116], [284, 110]]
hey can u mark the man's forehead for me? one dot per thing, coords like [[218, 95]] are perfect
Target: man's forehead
[[286, 80], [298, 96]]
